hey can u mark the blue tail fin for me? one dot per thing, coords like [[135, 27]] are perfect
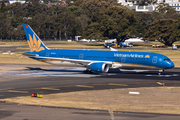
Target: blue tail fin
[[34, 41]]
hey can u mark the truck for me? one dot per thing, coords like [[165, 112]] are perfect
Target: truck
[[108, 45], [121, 44], [124, 44], [158, 46]]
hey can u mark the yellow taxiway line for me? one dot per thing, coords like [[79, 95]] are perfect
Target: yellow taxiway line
[[18, 91], [49, 88], [117, 84], [85, 86]]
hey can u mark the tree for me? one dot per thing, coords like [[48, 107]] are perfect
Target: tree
[[1, 29], [145, 19], [94, 31], [2, 6], [77, 11], [58, 26], [83, 20], [146, 2], [92, 8], [117, 22], [56, 9], [165, 8], [176, 32], [37, 24], [162, 30], [7, 29], [16, 21], [68, 22], [165, 12], [86, 4], [19, 32]]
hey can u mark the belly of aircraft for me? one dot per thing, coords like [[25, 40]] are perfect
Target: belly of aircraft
[[133, 66]]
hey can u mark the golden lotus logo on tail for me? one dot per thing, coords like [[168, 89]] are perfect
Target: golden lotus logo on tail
[[34, 44]]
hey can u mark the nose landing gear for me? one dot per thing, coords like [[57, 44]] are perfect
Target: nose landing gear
[[160, 72]]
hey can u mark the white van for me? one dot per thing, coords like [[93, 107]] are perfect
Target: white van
[[174, 47]]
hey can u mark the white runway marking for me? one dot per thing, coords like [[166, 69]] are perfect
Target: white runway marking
[[173, 75], [133, 71]]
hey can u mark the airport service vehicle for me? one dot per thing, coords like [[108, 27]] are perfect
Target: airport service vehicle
[[174, 47], [94, 60], [159, 46], [123, 44], [108, 45]]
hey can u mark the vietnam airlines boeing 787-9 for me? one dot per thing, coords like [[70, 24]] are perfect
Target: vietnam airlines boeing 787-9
[[95, 60]]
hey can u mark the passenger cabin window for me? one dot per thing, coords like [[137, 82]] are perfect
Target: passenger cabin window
[[53, 55], [67, 56], [141, 58], [102, 57]]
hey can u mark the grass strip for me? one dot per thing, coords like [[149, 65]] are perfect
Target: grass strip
[[150, 100]]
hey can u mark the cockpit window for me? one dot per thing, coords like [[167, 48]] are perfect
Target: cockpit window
[[166, 59]]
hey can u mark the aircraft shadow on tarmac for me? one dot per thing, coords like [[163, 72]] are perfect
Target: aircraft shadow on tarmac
[[53, 70], [114, 73], [124, 71]]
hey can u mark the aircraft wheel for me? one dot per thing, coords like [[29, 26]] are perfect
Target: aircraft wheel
[[87, 72], [160, 72]]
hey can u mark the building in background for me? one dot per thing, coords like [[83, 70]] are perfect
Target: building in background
[[13, 1], [128, 2], [148, 8], [9, 2], [174, 3], [133, 5]]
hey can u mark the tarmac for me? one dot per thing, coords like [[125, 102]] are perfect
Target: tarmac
[[22, 80]]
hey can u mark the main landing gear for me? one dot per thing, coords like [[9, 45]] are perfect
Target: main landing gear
[[87, 72], [160, 72]]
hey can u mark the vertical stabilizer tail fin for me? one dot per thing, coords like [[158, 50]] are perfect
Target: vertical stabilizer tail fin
[[34, 41]]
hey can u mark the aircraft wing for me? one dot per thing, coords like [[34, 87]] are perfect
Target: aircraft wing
[[76, 61]]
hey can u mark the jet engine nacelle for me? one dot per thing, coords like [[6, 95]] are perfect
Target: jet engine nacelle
[[99, 67]]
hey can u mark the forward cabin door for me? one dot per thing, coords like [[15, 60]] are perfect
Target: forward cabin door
[[81, 56], [123, 58], [154, 60]]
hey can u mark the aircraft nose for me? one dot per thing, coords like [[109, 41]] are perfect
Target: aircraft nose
[[170, 64]]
